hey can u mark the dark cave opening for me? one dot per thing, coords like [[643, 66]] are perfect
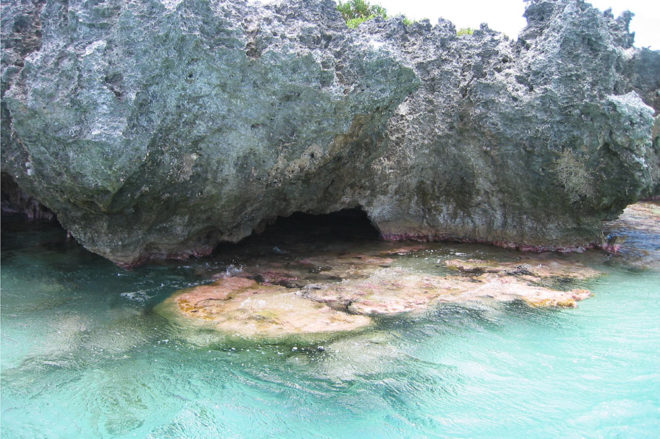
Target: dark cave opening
[[343, 224], [304, 229]]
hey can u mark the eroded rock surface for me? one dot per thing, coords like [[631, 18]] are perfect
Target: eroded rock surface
[[530, 268], [276, 299], [397, 290], [157, 129], [240, 307]]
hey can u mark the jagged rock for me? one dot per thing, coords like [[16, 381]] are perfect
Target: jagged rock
[[157, 129]]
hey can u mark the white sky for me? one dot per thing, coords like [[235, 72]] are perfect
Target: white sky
[[506, 15]]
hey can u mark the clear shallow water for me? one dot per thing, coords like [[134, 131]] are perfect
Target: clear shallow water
[[84, 356]]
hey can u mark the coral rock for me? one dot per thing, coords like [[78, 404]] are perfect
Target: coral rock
[[157, 129], [241, 307]]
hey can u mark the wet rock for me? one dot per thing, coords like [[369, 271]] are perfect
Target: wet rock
[[397, 290], [241, 307], [328, 267], [386, 291], [404, 250], [345, 266], [635, 236], [183, 124], [272, 298], [394, 291], [287, 279], [530, 268], [510, 288]]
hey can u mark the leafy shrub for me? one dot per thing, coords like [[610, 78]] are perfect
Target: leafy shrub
[[465, 31], [356, 12], [407, 21]]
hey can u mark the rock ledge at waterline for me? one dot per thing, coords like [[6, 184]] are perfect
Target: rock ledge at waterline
[[158, 129]]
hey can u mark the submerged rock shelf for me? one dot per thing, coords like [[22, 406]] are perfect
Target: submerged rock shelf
[[318, 290], [242, 307], [338, 293], [158, 129]]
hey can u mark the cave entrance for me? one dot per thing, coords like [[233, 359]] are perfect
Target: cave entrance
[[301, 231], [346, 224]]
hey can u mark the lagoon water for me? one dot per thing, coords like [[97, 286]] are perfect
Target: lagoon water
[[85, 356]]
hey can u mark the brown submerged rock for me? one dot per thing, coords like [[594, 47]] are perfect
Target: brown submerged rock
[[346, 265], [405, 249], [388, 291], [531, 267], [509, 288], [393, 291], [241, 307], [332, 293]]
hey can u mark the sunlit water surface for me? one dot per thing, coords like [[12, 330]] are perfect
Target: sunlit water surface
[[84, 356]]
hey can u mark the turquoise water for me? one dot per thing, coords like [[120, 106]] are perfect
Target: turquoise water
[[84, 356]]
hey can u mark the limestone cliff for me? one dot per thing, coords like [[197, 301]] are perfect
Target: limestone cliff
[[159, 128]]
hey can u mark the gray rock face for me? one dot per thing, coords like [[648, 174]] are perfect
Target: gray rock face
[[157, 129]]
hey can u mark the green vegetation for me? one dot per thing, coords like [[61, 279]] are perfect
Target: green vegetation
[[356, 12], [465, 31], [407, 21]]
